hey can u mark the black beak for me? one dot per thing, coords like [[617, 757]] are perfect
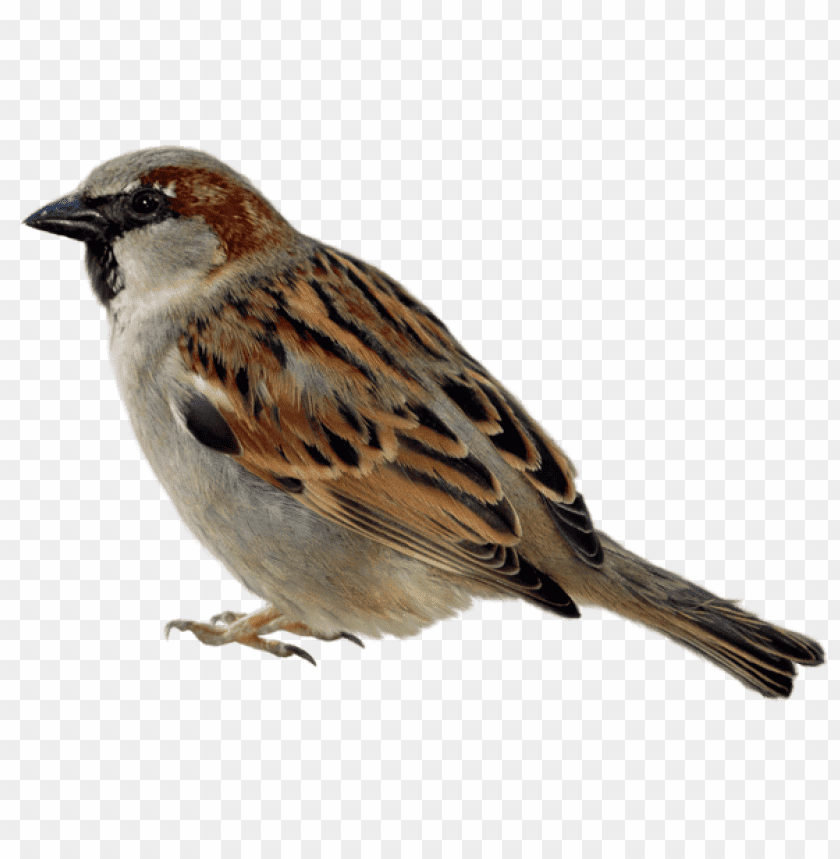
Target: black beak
[[70, 217]]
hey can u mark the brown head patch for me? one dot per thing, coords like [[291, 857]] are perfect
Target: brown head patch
[[243, 221]]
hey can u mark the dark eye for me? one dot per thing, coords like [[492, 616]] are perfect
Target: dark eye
[[145, 202]]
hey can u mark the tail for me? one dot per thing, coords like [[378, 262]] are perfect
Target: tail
[[757, 653]]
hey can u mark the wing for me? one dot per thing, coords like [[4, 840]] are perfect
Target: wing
[[319, 380]]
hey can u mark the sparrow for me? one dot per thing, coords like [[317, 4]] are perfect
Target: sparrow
[[323, 434]]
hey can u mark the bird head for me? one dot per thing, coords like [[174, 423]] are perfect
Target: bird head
[[163, 216]]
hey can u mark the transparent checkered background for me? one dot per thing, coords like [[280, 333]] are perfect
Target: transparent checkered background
[[629, 214]]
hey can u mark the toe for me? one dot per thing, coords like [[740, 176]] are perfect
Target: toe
[[182, 625], [206, 633]]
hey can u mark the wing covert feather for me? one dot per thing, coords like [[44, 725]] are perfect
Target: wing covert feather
[[324, 373]]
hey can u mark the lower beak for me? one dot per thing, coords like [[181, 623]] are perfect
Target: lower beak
[[70, 217]]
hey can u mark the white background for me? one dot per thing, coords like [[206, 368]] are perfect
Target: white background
[[628, 212]]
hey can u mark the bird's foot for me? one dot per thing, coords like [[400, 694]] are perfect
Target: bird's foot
[[249, 629], [246, 629]]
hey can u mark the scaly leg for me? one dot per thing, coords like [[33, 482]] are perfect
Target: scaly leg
[[248, 629]]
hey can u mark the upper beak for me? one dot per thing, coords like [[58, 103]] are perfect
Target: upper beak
[[70, 217]]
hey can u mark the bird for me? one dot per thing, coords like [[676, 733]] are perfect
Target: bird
[[324, 435]]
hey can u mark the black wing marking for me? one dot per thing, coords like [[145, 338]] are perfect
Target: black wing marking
[[206, 424]]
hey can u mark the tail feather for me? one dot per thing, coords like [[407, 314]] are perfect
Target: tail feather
[[759, 654]]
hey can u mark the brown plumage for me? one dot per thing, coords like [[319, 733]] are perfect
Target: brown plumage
[[323, 433]]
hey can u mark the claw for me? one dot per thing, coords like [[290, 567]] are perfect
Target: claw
[[353, 638], [298, 651]]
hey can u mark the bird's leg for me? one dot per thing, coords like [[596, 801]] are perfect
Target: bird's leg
[[248, 629]]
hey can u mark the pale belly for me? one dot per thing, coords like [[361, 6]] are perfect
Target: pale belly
[[313, 570]]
